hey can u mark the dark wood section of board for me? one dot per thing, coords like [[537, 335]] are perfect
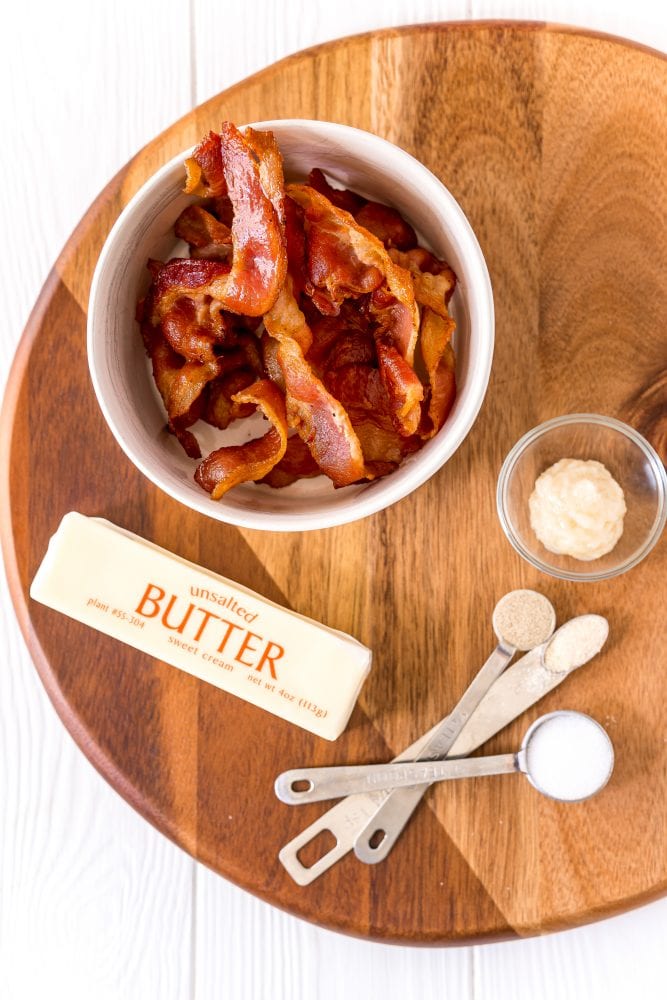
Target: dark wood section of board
[[553, 142]]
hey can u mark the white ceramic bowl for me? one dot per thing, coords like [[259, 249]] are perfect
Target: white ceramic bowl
[[121, 373]]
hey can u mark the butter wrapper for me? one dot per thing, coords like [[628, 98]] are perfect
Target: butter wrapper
[[200, 622]]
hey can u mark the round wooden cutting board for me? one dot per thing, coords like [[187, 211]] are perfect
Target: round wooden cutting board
[[553, 141]]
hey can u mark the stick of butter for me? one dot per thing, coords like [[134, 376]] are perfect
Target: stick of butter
[[217, 630]]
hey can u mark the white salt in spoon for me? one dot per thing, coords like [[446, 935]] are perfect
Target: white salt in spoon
[[565, 755]]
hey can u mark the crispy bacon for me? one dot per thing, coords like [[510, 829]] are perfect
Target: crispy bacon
[[186, 387], [383, 221], [285, 319], [221, 406], [183, 278], [229, 466], [340, 286], [320, 419], [296, 463], [438, 354], [340, 197], [204, 169], [434, 280], [350, 239], [270, 162], [295, 238], [388, 225], [317, 417], [392, 306], [334, 268], [434, 283], [180, 384], [402, 384], [360, 389], [259, 259], [205, 235], [186, 335]]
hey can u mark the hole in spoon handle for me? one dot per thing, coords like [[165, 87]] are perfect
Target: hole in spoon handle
[[390, 819]]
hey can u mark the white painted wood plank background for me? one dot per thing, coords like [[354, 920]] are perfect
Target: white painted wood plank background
[[94, 904]]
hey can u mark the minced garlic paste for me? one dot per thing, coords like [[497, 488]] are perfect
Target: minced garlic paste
[[577, 509]]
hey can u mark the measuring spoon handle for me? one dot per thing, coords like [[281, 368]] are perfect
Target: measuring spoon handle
[[392, 816], [335, 782]]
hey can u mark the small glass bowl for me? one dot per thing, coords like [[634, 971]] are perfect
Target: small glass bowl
[[633, 463]]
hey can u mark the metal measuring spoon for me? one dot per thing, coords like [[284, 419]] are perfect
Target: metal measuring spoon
[[522, 620], [442, 737], [562, 737], [525, 682]]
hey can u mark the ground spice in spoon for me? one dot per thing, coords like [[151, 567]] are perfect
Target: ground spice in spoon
[[524, 619], [576, 643]]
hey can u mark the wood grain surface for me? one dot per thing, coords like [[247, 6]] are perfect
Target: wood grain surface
[[553, 143]]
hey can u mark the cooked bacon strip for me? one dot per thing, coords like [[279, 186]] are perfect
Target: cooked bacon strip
[[227, 467], [383, 221], [270, 162], [295, 238], [319, 418], [392, 306], [334, 267], [334, 271], [186, 336], [434, 280], [340, 197], [285, 319], [342, 229], [421, 259], [296, 463], [204, 169], [259, 260], [221, 407], [184, 278], [434, 283], [205, 235], [436, 334], [179, 383], [388, 225], [327, 330], [403, 386], [187, 385], [360, 390]]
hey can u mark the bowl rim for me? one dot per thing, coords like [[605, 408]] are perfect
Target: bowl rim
[[425, 465], [598, 419]]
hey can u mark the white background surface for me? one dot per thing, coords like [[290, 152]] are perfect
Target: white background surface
[[94, 904]]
